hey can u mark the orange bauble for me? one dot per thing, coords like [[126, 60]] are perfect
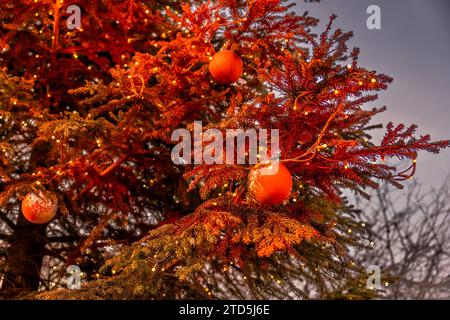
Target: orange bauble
[[271, 186], [39, 207], [226, 67]]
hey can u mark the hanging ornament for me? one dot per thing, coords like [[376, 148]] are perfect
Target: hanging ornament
[[271, 186], [40, 206], [226, 67]]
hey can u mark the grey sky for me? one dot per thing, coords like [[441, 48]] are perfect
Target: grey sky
[[413, 46]]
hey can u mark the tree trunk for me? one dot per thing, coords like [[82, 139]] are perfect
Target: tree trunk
[[24, 257]]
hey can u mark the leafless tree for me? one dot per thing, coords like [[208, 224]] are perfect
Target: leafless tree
[[411, 241]]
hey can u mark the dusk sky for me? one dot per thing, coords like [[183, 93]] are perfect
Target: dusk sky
[[413, 47]]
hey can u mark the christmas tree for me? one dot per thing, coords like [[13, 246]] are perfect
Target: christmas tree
[[91, 95]]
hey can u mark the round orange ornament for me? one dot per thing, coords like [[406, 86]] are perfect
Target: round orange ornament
[[270, 185], [226, 67], [39, 207]]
